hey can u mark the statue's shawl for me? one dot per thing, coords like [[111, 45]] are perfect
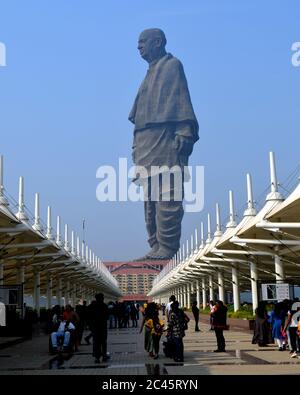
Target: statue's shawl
[[164, 97]]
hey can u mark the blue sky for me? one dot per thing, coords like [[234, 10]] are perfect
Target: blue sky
[[72, 73]]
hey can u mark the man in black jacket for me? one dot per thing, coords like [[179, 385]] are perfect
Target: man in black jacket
[[195, 312], [98, 316], [219, 317]]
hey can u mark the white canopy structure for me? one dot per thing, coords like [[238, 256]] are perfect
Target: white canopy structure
[[262, 247], [44, 262]]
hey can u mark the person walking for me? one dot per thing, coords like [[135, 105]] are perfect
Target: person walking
[[277, 318], [212, 309], [261, 328], [219, 316], [98, 319], [133, 315], [176, 330], [146, 325], [195, 312], [168, 307], [291, 325], [157, 326]]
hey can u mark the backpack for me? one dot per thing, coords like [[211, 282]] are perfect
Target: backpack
[[183, 320]]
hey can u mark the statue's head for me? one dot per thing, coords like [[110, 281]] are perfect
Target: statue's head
[[151, 44]]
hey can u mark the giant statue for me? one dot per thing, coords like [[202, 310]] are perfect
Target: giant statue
[[165, 130]]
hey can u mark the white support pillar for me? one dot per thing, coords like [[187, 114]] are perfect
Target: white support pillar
[[37, 221], [192, 288], [21, 215], [274, 194], [66, 241], [73, 251], [36, 290], [49, 234], [232, 223], [218, 232], [68, 295], [49, 291], [58, 234], [235, 288], [198, 293], [204, 300], [74, 296], [1, 272], [221, 286], [188, 295], [250, 210], [184, 296], [209, 239], [254, 289], [180, 297], [211, 287], [279, 269]]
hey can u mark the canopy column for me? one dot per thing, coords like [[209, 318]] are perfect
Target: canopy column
[[279, 269], [254, 288], [235, 287], [188, 295], [177, 295], [204, 300], [184, 296], [211, 287], [221, 286], [198, 297], [180, 297]]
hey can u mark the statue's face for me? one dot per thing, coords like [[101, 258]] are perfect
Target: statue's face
[[148, 45]]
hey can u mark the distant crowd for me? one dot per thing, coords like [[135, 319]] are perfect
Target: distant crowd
[[277, 323], [280, 324]]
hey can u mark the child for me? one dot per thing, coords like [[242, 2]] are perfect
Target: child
[[156, 331]]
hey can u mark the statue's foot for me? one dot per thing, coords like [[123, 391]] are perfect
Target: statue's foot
[[153, 250], [162, 254]]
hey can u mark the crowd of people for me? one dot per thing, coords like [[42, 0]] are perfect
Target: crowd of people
[[67, 325], [280, 324], [154, 327]]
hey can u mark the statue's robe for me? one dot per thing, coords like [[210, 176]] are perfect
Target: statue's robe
[[161, 110]]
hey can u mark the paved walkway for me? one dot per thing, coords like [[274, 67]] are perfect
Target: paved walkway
[[128, 357]]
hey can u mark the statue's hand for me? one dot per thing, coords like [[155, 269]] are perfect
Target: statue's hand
[[184, 145]]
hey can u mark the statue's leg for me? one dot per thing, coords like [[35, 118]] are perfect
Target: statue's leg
[[150, 214], [169, 214], [168, 217]]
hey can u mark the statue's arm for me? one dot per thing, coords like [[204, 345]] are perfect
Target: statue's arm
[[184, 138]]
